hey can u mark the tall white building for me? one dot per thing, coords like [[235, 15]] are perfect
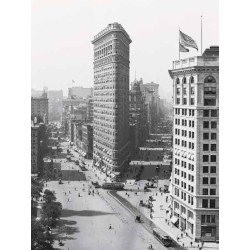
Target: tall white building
[[111, 97], [195, 175]]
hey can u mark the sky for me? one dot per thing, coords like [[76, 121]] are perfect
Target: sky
[[62, 31]]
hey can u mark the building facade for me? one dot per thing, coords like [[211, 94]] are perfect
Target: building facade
[[139, 128], [111, 97], [79, 92], [195, 175], [40, 107]]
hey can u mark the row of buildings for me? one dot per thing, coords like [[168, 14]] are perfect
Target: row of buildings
[[195, 174]]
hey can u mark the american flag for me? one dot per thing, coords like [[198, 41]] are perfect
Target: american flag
[[187, 41], [182, 48]]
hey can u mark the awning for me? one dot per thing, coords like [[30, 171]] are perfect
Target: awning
[[108, 173], [174, 219], [116, 173], [112, 175]]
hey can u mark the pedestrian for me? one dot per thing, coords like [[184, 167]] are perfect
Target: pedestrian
[[177, 238], [202, 243], [138, 188], [128, 195], [161, 194], [191, 244], [109, 226], [183, 244], [156, 194], [181, 235], [198, 246], [68, 199]]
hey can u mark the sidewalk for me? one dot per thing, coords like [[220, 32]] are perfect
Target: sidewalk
[[160, 206]]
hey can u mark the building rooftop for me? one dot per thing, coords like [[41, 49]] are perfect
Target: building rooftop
[[110, 28]]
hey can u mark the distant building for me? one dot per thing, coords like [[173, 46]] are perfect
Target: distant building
[[111, 97], [83, 138], [79, 92], [195, 175], [139, 129], [38, 147], [40, 107], [150, 92]]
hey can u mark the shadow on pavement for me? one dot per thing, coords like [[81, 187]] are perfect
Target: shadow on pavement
[[68, 213]]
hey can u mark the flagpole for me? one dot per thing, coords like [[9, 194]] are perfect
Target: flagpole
[[179, 44], [201, 35]]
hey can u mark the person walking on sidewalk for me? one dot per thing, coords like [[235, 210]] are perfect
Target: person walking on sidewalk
[[191, 243]]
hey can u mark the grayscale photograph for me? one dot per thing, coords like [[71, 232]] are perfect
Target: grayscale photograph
[[124, 124]]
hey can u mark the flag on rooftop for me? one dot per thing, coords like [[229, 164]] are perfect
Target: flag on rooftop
[[187, 41], [182, 48]]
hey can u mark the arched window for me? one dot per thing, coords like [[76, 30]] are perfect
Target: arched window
[[209, 79], [191, 79], [184, 80], [177, 81]]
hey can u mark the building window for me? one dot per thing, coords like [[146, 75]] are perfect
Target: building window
[[205, 147], [212, 191], [205, 191], [205, 158], [178, 101], [205, 203], [213, 158], [178, 91], [205, 180], [206, 124], [177, 81], [213, 136], [212, 203], [192, 90], [184, 91], [205, 113], [205, 136], [213, 124], [191, 101], [213, 147], [205, 169], [213, 113], [184, 101], [191, 79], [209, 79], [213, 180], [209, 102], [184, 80], [213, 169]]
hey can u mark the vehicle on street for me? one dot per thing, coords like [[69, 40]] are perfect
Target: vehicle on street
[[76, 162], [113, 185], [96, 184], [162, 237], [60, 181]]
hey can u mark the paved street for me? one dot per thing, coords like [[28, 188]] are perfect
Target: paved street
[[86, 220]]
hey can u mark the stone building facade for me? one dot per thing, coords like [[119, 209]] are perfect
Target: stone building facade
[[40, 107], [111, 97], [195, 175]]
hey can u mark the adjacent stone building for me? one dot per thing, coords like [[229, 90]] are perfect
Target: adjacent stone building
[[195, 175]]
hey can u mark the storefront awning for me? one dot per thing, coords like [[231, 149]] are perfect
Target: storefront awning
[[174, 219]]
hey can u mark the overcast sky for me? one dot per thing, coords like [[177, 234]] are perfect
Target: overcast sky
[[62, 31]]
